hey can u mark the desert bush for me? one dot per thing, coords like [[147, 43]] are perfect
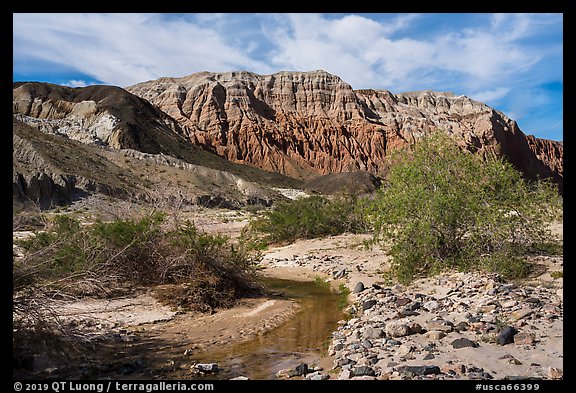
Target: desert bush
[[443, 207], [96, 259], [306, 218]]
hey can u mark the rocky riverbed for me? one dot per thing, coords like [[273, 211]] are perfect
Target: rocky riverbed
[[452, 326], [456, 326]]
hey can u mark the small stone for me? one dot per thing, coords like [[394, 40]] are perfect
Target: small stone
[[367, 344], [240, 378], [368, 304], [359, 287], [510, 304], [339, 274], [397, 330], [487, 309], [415, 328], [555, 373], [301, 369], [393, 342], [363, 370], [413, 306], [208, 368], [419, 370], [456, 368], [514, 361], [506, 335], [431, 305], [345, 374], [461, 326], [519, 314], [371, 332], [428, 357], [284, 373], [463, 343], [405, 349], [435, 335], [524, 338], [403, 301], [550, 308], [316, 376], [444, 326], [479, 375]]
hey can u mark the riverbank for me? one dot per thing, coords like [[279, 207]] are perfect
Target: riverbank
[[394, 332], [451, 326]]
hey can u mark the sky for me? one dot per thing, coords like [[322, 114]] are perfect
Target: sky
[[512, 62]]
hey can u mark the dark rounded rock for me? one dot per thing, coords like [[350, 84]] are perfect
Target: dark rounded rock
[[461, 326], [403, 301], [302, 369], [419, 370], [463, 343], [506, 335], [358, 288], [368, 304]]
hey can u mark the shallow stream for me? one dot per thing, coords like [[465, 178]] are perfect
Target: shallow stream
[[303, 338]]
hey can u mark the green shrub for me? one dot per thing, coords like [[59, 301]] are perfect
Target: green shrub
[[306, 218], [106, 255], [343, 296], [446, 208]]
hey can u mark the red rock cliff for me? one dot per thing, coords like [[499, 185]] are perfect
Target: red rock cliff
[[306, 123]]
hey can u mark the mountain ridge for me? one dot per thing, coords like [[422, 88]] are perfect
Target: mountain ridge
[[277, 129], [304, 124]]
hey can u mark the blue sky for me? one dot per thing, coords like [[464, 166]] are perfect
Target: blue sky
[[512, 62]]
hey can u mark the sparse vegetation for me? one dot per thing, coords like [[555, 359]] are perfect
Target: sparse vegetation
[[557, 274], [322, 283], [343, 293], [311, 217], [446, 208], [69, 258]]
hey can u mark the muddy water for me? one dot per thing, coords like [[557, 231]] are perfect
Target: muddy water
[[303, 338]]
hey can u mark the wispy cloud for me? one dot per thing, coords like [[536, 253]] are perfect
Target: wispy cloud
[[490, 95], [501, 59], [75, 83], [123, 49]]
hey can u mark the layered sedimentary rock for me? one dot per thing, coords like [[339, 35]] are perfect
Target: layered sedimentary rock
[[308, 123], [104, 115], [300, 124], [49, 171]]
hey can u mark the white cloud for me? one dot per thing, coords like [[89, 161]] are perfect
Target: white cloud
[[490, 95], [124, 49], [361, 51], [490, 59], [75, 83]]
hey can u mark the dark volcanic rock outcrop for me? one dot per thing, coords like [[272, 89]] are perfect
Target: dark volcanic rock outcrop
[[308, 123]]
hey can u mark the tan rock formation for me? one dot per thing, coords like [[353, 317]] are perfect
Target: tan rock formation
[[308, 123]]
